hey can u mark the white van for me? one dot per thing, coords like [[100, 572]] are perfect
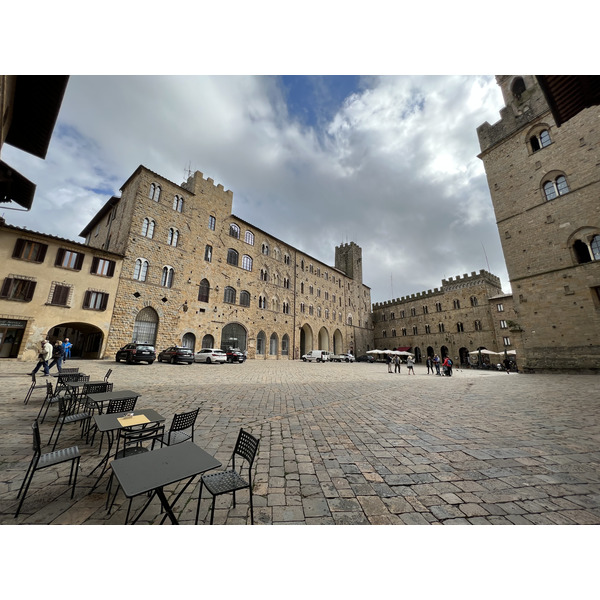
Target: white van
[[318, 355]]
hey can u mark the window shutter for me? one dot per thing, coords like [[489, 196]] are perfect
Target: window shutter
[[61, 295], [111, 268], [42, 255], [86, 299], [30, 290], [94, 268], [104, 302], [79, 261], [6, 287], [18, 251]]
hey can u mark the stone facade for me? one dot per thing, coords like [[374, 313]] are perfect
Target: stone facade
[[204, 277], [545, 188], [50, 286], [465, 314]]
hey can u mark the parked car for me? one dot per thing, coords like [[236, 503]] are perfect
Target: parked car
[[346, 357], [210, 355], [235, 355], [176, 354], [365, 358], [131, 353], [318, 355]]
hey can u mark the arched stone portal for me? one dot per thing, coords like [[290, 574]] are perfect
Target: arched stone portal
[[189, 341], [323, 339], [338, 343], [145, 327], [87, 340], [234, 335], [306, 340]]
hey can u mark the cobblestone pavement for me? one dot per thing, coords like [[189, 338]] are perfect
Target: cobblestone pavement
[[341, 444]]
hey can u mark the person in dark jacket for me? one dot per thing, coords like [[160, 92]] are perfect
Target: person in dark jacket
[[57, 356]]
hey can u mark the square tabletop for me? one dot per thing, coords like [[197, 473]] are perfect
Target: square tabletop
[[111, 422], [155, 469], [77, 384]]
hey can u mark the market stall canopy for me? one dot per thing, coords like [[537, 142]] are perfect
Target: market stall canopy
[[485, 352]]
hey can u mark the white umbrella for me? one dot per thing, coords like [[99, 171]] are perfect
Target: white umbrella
[[404, 353], [513, 352], [373, 351], [485, 352]]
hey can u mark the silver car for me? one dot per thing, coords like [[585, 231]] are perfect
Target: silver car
[[210, 355]]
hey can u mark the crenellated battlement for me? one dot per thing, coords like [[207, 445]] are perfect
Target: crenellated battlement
[[197, 184], [474, 276]]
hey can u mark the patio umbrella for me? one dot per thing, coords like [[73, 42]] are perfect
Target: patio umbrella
[[484, 352]]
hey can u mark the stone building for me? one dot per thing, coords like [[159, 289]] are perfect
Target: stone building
[[56, 288], [465, 314], [194, 274], [545, 188]]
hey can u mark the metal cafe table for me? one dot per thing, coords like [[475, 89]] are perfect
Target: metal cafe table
[[99, 399], [152, 471], [110, 423]]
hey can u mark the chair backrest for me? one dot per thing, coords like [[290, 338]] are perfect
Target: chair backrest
[[118, 405], [73, 377], [246, 447], [107, 374], [96, 388], [184, 420], [70, 370], [37, 442]]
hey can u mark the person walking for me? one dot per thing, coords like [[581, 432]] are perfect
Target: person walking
[[388, 359], [396, 364], [436, 362], [429, 365], [507, 365], [58, 356], [410, 365], [43, 358], [67, 345]]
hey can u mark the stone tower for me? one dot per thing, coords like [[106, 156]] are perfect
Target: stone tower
[[348, 258], [544, 182]]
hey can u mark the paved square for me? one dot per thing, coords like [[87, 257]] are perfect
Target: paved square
[[340, 444]]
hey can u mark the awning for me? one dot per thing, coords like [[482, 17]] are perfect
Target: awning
[[403, 348]]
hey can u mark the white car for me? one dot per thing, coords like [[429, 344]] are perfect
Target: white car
[[210, 355]]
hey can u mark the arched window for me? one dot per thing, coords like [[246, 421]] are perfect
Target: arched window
[[302, 287], [478, 326], [229, 295], [189, 341], [249, 238], [265, 249], [247, 262], [473, 300], [261, 340], [517, 87], [167, 277], [212, 222], [172, 237], [262, 302], [540, 140], [285, 345], [208, 341], [154, 192], [178, 203], [208, 253], [244, 298], [203, 290], [232, 257], [140, 270], [349, 320], [595, 246], [145, 326], [148, 228], [234, 231], [273, 344], [556, 187], [264, 275], [459, 327]]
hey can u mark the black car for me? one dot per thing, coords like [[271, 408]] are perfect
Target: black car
[[136, 353], [365, 358], [235, 355], [176, 354]]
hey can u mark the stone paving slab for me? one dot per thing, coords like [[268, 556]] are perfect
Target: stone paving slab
[[340, 444]]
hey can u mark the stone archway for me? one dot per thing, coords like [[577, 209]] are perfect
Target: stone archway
[[323, 339], [189, 341], [234, 335], [87, 340], [145, 327], [338, 342], [306, 339]]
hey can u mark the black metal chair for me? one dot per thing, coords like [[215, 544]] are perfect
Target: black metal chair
[[48, 401], [67, 415], [69, 370], [31, 388], [116, 405], [180, 425], [49, 459], [132, 440], [107, 374], [231, 481]]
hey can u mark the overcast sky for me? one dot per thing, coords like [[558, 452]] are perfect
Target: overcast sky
[[388, 162]]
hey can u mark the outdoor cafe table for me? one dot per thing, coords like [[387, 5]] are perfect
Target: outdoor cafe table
[[152, 471], [108, 423], [99, 399]]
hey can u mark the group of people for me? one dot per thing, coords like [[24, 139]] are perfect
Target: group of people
[[52, 355], [410, 364], [435, 365]]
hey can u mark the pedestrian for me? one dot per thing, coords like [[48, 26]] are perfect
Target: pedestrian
[[436, 362], [43, 357], [429, 365], [448, 366], [58, 356], [396, 364], [388, 359], [67, 345], [507, 365], [410, 365]]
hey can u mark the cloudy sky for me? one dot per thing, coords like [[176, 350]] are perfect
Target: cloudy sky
[[389, 162]]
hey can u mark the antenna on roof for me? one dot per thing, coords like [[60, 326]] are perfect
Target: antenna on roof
[[189, 169], [486, 258]]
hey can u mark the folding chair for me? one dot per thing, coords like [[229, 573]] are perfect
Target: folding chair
[[67, 415], [178, 432], [231, 481], [48, 400], [41, 461]]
